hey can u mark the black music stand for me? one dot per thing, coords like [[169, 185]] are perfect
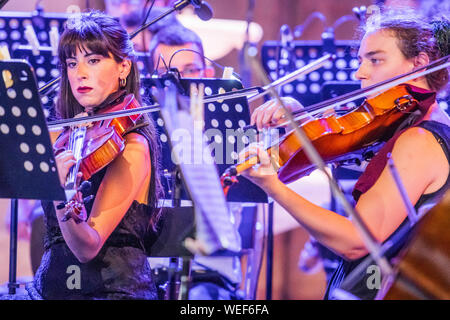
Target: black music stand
[[13, 25], [30, 164], [307, 89], [46, 69], [213, 224], [223, 116], [223, 119]]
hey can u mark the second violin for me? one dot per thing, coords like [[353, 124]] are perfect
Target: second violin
[[337, 137]]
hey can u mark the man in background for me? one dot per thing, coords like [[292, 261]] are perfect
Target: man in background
[[178, 47], [133, 13]]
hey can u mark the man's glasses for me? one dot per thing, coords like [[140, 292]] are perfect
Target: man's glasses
[[131, 2], [190, 71]]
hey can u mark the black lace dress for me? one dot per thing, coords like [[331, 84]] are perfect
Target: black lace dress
[[119, 271]]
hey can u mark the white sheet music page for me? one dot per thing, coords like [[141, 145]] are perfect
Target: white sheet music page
[[215, 226]]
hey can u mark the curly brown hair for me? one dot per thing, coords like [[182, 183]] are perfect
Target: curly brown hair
[[415, 35]]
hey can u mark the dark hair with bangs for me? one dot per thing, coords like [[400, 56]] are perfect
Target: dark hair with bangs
[[98, 33], [101, 34]]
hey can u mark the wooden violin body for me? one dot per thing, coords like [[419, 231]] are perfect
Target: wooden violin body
[[335, 137], [104, 139]]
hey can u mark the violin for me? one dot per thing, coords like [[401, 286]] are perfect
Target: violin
[[335, 137], [97, 145]]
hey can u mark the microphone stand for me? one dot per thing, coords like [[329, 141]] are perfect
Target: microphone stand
[[12, 284], [173, 279], [244, 70], [179, 5]]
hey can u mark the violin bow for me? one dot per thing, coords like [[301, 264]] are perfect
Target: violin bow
[[255, 92], [252, 93], [373, 89]]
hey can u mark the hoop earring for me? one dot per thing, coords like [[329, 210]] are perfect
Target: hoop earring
[[122, 82]]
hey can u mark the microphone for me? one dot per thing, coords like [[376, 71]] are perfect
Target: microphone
[[37, 18], [285, 59], [85, 187], [286, 35], [204, 11], [201, 8], [360, 13]]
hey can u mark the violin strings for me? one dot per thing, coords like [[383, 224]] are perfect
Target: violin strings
[[311, 110]]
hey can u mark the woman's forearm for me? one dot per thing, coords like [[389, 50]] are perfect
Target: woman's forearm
[[332, 230], [82, 240]]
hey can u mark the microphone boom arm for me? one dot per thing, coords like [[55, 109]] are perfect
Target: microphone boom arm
[[180, 5]]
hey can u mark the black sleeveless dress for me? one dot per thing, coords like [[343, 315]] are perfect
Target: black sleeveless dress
[[358, 287], [119, 271]]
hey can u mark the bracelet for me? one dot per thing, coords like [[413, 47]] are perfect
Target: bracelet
[[74, 209], [61, 205]]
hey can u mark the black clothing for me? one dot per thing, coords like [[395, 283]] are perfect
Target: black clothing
[[400, 236], [119, 271]]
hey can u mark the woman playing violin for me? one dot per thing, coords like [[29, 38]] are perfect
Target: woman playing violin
[[399, 43], [102, 257]]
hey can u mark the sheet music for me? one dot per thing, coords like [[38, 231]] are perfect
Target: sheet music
[[214, 223]]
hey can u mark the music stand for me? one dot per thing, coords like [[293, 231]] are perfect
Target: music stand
[[223, 120], [12, 26], [307, 89], [224, 117], [214, 230], [201, 180], [46, 69], [30, 163]]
